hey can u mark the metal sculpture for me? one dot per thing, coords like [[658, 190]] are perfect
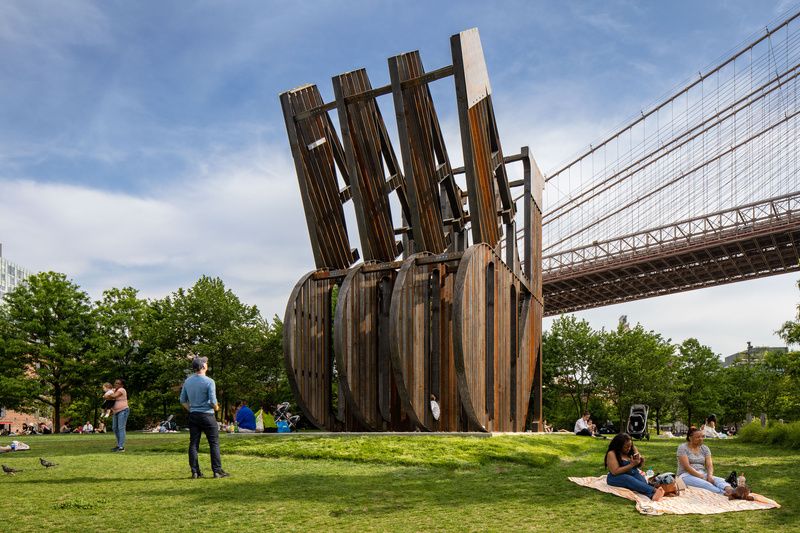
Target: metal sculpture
[[430, 317]]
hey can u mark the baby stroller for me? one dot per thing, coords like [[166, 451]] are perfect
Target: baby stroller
[[168, 425], [285, 419], [637, 421]]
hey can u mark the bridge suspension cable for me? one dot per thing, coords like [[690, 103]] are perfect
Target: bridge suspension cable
[[726, 139]]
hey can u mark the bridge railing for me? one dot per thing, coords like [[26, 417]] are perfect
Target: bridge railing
[[724, 224]]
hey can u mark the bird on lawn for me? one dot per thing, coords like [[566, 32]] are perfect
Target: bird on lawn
[[10, 471], [46, 463]]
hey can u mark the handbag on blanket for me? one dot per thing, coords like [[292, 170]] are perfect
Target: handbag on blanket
[[672, 484]]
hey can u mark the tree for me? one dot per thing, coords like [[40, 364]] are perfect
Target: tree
[[15, 389], [636, 366], [124, 350], [210, 320], [790, 330], [49, 330], [569, 352], [739, 394], [273, 371], [698, 371]]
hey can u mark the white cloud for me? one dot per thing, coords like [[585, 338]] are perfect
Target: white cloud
[[238, 217]]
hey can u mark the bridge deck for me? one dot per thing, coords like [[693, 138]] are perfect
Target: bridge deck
[[763, 249]]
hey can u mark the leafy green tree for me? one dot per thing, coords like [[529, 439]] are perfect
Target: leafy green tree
[[636, 366], [739, 392], [698, 383], [15, 389], [49, 330], [790, 330], [779, 385], [569, 351], [125, 326], [210, 320], [273, 372]]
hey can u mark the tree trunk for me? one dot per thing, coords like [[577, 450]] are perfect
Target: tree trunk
[[658, 421], [56, 408], [689, 418]]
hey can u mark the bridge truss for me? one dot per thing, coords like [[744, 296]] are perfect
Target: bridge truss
[[719, 156]]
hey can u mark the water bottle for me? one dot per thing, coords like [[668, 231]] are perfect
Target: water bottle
[[650, 473], [741, 480]]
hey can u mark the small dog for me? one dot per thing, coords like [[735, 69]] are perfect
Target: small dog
[[742, 492]]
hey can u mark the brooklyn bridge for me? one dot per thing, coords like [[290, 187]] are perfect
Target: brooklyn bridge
[[700, 189]]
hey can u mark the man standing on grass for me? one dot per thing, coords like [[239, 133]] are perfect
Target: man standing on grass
[[199, 397]]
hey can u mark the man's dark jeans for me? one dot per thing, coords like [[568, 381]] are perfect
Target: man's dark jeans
[[200, 423]]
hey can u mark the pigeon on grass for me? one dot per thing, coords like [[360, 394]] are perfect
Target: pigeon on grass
[[10, 471], [47, 464]]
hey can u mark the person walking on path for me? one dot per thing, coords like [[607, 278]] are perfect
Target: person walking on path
[[199, 397], [121, 412]]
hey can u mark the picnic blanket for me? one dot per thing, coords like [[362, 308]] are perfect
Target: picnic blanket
[[691, 501]]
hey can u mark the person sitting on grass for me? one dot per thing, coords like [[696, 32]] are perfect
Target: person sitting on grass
[[709, 429], [584, 426], [623, 461], [695, 466], [245, 418]]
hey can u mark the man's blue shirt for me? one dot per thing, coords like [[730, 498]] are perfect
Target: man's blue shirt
[[200, 392], [245, 418]]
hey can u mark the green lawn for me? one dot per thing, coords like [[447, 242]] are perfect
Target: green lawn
[[356, 483]]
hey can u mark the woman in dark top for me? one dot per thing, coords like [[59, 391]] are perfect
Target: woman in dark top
[[623, 461]]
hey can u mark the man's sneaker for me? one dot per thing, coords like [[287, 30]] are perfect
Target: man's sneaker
[[221, 473], [196, 475], [119, 450], [732, 479], [115, 449]]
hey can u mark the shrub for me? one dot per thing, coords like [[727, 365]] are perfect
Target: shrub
[[786, 435]]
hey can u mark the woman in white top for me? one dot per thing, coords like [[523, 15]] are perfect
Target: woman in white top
[[709, 429], [695, 466]]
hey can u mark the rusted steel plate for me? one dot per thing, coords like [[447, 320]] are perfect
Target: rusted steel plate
[[487, 182], [315, 149], [422, 342], [368, 152], [308, 354], [362, 356], [424, 154], [495, 327]]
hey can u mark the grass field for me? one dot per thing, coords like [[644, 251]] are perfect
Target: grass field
[[367, 483]]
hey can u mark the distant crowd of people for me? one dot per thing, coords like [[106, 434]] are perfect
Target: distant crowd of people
[[28, 429]]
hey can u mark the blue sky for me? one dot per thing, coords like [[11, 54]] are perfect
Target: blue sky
[[141, 143]]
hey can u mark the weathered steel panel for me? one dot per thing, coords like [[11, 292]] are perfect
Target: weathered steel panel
[[315, 149], [487, 183], [362, 358], [422, 342], [424, 153], [369, 153], [489, 301]]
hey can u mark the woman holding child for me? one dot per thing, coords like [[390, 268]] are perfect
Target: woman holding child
[[121, 411], [695, 466], [623, 461]]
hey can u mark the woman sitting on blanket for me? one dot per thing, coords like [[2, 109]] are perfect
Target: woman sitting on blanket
[[695, 466], [623, 461]]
